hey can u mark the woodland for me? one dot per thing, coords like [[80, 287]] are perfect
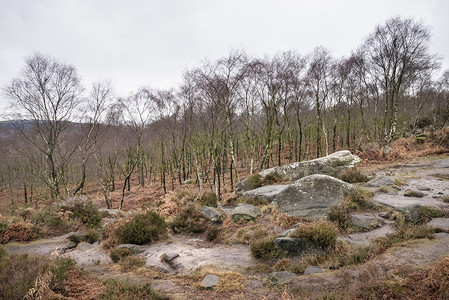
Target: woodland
[[228, 118]]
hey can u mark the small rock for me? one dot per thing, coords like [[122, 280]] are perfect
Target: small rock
[[135, 249], [387, 150], [364, 221], [313, 270], [83, 246], [281, 278], [112, 212], [245, 212], [423, 188], [288, 231], [212, 214], [188, 181], [413, 193], [169, 256], [210, 281], [383, 215], [442, 223], [379, 181]]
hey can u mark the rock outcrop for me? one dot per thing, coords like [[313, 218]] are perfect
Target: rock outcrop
[[313, 196], [330, 165], [264, 193], [245, 212], [212, 214]]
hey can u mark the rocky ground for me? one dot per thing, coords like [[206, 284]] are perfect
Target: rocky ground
[[403, 187]]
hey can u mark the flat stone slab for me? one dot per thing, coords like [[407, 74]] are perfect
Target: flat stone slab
[[281, 278], [379, 181], [313, 270], [365, 238], [210, 281], [442, 223], [366, 221], [245, 212], [135, 249], [268, 192]]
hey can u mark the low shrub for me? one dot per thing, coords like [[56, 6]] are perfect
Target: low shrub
[[427, 213], [118, 253], [60, 267], [114, 289], [92, 236], [189, 220], [212, 234], [290, 265], [129, 263], [142, 229], [253, 182], [209, 199], [76, 238], [2, 252], [352, 175], [19, 232], [264, 247], [271, 178], [18, 273], [322, 234], [86, 212]]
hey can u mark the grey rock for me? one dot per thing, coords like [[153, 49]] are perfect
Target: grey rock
[[83, 246], [281, 278], [170, 256], [379, 181], [268, 192], [70, 245], [330, 165], [245, 212], [210, 281], [189, 181], [442, 223], [112, 212], [312, 196], [365, 238], [288, 231], [365, 221], [413, 193], [386, 150], [135, 249], [313, 270], [212, 214], [423, 188], [297, 246]]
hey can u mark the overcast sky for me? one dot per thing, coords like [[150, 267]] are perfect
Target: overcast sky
[[139, 43]]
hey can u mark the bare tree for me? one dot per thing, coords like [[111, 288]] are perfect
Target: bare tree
[[398, 52], [46, 93]]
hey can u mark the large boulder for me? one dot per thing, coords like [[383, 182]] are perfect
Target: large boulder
[[330, 165], [245, 212], [312, 196], [264, 193], [214, 215]]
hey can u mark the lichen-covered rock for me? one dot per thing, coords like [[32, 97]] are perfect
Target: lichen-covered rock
[[212, 214], [267, 193], [330, 165], [313, 270], [379, 181], [245, 212], [210, 281], [312, 196], [413, 193], [365, 221], [135, 249]]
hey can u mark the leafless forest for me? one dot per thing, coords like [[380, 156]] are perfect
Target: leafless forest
[[228, 118]]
